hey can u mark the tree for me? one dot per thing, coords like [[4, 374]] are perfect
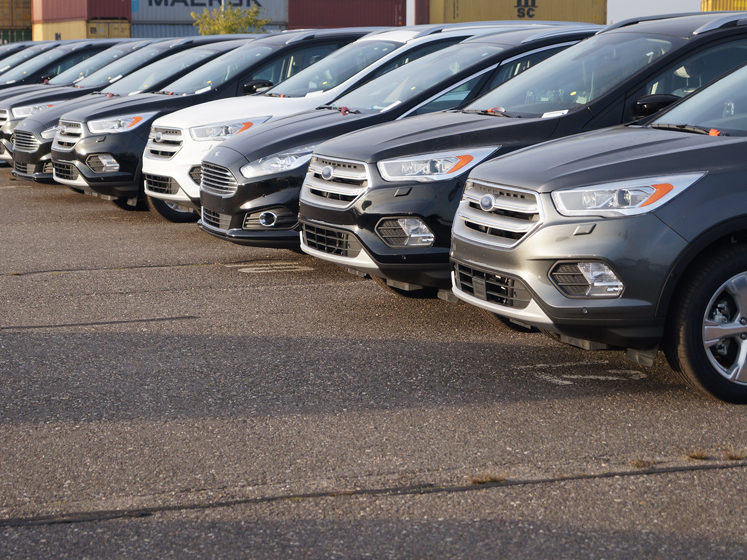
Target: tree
[[230, 20]]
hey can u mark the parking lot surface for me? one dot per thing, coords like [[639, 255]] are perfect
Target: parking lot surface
[[167, 394]]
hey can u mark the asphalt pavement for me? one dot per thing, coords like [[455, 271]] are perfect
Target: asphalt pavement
[[168, 394]]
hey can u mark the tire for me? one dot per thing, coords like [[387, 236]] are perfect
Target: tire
[[172, 212], [422, 293], [712, 299]]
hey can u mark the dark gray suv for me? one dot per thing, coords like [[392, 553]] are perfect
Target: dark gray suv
[[632, 237]]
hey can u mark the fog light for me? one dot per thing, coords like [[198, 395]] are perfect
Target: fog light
[[196, 174], [587, 279], [405, 232], [102, 163]]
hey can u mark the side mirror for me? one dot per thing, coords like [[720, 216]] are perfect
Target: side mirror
[[650, 104], [256, 86]]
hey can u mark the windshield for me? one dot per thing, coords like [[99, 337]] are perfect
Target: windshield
[[721, 108], [147, 78], [32, 66], [576, 77], [19, 57], [407, 81], [334, 69], [89, 65], [219, 71], [121, 67]]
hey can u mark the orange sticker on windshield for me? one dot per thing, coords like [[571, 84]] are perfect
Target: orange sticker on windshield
[[714, 132]]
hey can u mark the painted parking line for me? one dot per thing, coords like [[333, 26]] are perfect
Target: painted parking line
[[553, 373], [268, 267]]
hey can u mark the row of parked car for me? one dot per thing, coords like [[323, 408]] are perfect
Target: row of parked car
[[388, 151]]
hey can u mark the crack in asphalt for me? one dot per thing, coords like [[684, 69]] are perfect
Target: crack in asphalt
[[99, 323], [107, 268], [416, 489]]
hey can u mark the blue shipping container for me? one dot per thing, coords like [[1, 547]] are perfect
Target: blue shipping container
[[162, 30]]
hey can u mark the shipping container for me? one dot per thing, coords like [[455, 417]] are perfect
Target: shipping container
[[14, 35], [722, 5], [178, 11], [345, 13], [448, 11], [45, 11], [15, 14], [162, 30], [81, 29]]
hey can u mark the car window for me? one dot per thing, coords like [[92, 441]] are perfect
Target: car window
[[698, 69], [450, 99], [413, 54], [721, 106], [66, 62], [516, 66], [290, 63]]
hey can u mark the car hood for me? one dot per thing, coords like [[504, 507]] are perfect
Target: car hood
[[437, 132], [611, 154], [40, 97], [141, 102], [50, 117], [38, 89], [234, 108], [302, 129]]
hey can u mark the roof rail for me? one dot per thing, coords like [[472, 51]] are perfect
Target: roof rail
[[563, 31], [730, 19], [633, 21]]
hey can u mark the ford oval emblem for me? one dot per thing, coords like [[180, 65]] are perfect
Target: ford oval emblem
[[158, 137], [487, 202], [327, 172], [62, 130]]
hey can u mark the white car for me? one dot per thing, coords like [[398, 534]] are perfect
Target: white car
[[178, 141]]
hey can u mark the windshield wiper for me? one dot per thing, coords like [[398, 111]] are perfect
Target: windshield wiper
[[343, 110], [689, 128], [494, 112]]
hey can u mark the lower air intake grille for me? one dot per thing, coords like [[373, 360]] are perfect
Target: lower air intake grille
[[66, 171], [494, 288], [331, 241], [216, 220], [160, 184]]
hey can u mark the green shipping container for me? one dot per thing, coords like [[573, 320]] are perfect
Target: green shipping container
[[14, 35]]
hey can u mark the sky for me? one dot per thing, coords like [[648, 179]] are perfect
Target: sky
[[618, 10]]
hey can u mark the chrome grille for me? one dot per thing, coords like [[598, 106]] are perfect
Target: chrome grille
[[68, 134], [215, 219], [160, 184], [331, 241], [494, 288], [3, 116], [66, 171], [346, 181], [164, 142], [24, 141], [217, 180], [496, 214]]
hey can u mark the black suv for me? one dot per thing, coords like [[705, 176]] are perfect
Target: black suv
[[147, 69], [269, 166], [382, 200], [631, 237], [101, 150]]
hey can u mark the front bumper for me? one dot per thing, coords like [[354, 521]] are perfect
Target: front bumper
[[516, 283], [173, 178], [435, 203], [70, 167], [235, 217], [35, 165]]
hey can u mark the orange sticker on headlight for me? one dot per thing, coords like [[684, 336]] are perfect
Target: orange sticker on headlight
[[661, 191]]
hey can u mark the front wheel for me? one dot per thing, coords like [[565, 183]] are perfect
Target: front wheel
[[173, 212], [706, 342]]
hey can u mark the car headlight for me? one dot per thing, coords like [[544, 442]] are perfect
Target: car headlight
[[119, 124], [49, 133], [435, 166], [277, 163], [26, 110], [622, 198], [221, 131]]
